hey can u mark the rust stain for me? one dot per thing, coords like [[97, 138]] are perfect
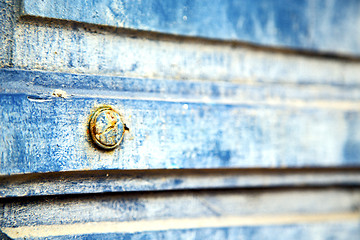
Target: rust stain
[[107, 127]]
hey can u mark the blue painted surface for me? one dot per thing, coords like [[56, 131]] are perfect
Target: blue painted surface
[[175, 124], [339, 230], [151, 206], [149, 213], [286, 110], [327, 26]]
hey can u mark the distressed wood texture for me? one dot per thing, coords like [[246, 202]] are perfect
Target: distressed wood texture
[[100, 181], [327, 26], [175, 124], [213, 94], [80, 48], [323, 213], [9, 10], [345, 230], [73, 47]]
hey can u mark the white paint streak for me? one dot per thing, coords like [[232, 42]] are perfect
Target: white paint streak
[[173, 224], [295, 103]]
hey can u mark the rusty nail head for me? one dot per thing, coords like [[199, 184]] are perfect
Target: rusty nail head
[[106, 128]]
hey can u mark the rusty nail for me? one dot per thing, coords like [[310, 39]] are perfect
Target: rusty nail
[[106, 128]]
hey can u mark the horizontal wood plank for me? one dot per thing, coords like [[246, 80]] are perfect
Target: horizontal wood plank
[[307, 24], [175, 124], [184, 210]]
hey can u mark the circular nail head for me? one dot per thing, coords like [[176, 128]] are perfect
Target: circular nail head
[[106, 128]]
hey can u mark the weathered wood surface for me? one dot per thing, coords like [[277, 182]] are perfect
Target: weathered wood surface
[[80, 48], [189, 102], [344, 230], [245, 98], [269, 89], [232, 211], [327, 26], [175, 124], [7, 26], [64, 46], [101, 181]]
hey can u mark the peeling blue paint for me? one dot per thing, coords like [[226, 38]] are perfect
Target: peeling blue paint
[[213, 109], [184, 206], [339, 231], [315, 25], [172, 126]]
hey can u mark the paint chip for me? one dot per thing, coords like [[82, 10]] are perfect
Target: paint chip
[[60, 93]]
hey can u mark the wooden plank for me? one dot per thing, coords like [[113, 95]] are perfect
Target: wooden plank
[[85, 182], [175, 124], [73, 47], [326, 26], [164, 211], [334, 226], [343, 230]]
